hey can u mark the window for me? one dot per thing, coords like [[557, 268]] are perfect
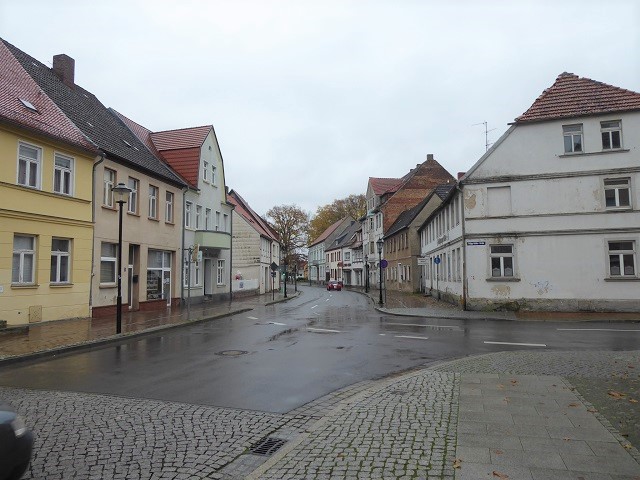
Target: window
[[225, 220], [158, 275], [108, 268], [207, 219], [617, 192], [198, 216], [23, 268], [220, 276], [29, 165], [60, 250], [168, 210], [213, 174], [572, 138], [205, 171], [502, 260], [196, 270], [134, 185], [188, 207], [622, 258], [611, 135], [153, 202], [108, 184], [62, 174], [217, 221]]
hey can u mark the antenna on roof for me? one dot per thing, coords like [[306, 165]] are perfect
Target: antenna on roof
[[486, 134]]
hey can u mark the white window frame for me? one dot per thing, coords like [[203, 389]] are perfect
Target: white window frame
[[502, 256], [29, 164], [569, 132], [57, 257], [617, 185], [132, 204], [213, 174], [109, 259], [23, 277], [225, 222], [205, 171], [62, 172], [107, 186], [207, 219], [153, 202], [620, 254], [168, 207], [608, 129], [198, 216], [197, 281], [220, 270], [188, 207], [217, 221]]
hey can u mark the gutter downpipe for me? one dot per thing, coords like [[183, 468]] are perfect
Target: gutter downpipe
[[184, 200], [464, 252], [93, 222], [231, 255]]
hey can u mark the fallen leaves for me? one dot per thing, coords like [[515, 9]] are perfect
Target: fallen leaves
[[627, 446], [498, 452], [500, 475], [574, 404], [566, 439], [592, 410], [633, 400], [457, 463], [616, 395]]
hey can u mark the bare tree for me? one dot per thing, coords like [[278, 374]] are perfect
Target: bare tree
[[291, 223], [353, 206]]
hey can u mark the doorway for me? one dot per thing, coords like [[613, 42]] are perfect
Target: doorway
[[208, 276]]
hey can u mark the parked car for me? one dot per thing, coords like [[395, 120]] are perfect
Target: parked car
[[16, 443], [334, 285]]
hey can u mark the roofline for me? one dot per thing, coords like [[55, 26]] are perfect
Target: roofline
[[481, 160], [135, 166], [445, 202], [584, 115]]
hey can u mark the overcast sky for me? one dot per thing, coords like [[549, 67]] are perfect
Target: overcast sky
[[310, 98]]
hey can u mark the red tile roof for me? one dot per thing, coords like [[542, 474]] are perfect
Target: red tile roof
[[255, 220], [327, 232], [573, 96], [182, 138], [381, 186], [16, 84]]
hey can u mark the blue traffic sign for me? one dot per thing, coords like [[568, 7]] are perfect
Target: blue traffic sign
[[436, 260], [384, 264]]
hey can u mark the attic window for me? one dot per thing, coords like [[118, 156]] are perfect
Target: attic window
[[127, 144], [29, 105]]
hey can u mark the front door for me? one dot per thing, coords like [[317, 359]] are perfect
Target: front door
[[208, 277]]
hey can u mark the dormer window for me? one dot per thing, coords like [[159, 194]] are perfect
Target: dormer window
[[611, 135], [572, 138]]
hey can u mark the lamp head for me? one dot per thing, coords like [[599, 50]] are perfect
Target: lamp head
[[121, 193], [380, 243]]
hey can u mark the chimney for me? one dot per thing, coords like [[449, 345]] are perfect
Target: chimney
[[64, 67], [429, 156], [460, 175]]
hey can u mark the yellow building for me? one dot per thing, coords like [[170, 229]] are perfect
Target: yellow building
[[46, 227]]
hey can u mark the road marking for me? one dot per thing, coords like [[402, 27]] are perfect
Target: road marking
[[518, 344], [382, 334], [597, 330], [314, 307], [276, 323], [328, 298], [252, 318], [322, 330], [409, 336], [421, 325]]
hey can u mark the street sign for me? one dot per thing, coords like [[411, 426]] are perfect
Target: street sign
[[273, 274], [384, 264], [476, 243], [423, 261], [274, 266], [436, 260]]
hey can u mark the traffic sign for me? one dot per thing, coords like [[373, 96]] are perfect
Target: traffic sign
[[384, 264], [274, 266], [436, 260]]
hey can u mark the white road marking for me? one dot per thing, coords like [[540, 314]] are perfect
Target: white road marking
[[421, 325], [276, 323], [252, 318], [597, 330], [382, 334], [314, 307], [409, 336], [518, 344], [327, 299], [322, 330]]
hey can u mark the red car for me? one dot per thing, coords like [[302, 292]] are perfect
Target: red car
[[334, 285]]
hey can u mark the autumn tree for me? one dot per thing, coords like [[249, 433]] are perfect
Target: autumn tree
[[291, 223], [354, 206]]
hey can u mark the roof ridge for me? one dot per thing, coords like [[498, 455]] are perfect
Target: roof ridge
[[183, 128]]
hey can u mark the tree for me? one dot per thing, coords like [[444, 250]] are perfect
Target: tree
[[354, 206], [291, 223]]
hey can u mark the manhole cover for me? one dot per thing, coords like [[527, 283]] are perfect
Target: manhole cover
[[267, 446], [232, 353]]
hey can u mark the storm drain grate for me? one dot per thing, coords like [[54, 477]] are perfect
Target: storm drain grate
[[267, 446]]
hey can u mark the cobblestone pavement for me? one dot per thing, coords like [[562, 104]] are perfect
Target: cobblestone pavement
[[403, 428], [87, 436], [608, 382]]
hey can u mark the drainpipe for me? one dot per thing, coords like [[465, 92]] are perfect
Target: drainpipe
[[231, 255], [464, 252], [93, 222], [181, 269]]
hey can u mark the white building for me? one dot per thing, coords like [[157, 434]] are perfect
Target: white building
[[318, 269], [551, 218]]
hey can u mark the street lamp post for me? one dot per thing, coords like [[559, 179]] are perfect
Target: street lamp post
[[366, 272], [121, 193], [380, 243]]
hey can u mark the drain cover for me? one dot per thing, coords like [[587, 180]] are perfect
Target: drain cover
[[232, 353], [267, 446]]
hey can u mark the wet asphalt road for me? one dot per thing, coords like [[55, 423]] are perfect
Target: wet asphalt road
[[279, 357]]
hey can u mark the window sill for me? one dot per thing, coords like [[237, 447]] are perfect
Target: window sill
[[108, 285], [169, 223], [503, 279], [133, 214], [26, 286], [107, 207], [622, 279], [153, 219], [623, 208], [586, 154], [61, 285]]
